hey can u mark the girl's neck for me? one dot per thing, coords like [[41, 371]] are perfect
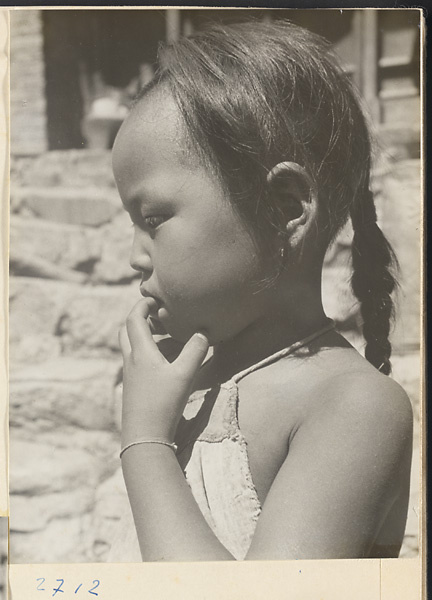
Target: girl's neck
[[281, 327]]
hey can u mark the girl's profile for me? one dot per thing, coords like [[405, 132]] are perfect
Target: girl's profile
[[251, 429]]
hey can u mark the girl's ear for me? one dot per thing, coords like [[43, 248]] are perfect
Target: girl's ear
[[294, 192]]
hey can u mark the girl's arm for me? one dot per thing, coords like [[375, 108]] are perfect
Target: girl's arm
[[169, 524], [348, 464]]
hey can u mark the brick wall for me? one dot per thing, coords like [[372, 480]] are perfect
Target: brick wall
[[27, 88]]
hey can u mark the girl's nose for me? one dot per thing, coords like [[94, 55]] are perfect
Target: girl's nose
[[140, 259]]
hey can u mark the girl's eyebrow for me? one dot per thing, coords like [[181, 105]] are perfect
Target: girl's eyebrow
[[150, 198], [138, 199], [131, 205], [134, 206]]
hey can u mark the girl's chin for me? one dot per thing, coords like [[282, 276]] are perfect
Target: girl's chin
[[165, 325], [179, 334]]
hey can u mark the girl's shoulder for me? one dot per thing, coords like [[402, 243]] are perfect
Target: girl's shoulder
[[355, 388], [335, 384], [331, 414], [368, 403]]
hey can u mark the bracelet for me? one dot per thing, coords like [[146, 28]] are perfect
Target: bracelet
[[161, 442]]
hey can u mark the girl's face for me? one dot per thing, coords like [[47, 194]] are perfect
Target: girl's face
[[194, 252]]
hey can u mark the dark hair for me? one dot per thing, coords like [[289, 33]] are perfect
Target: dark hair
[[255, 94]]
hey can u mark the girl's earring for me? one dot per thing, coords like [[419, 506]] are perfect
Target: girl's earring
[[282, 242]]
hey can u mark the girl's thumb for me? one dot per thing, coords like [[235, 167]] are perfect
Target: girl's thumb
[[194, 352]]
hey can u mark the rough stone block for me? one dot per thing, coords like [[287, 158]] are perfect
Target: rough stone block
[[38, 468], [35, 307], [27, 265], [103, 445], [111, 503], [34, 348], [34, 513], [92, 319], [62, 541], [76, 206], [64, 391], [54, 482], [67, 246]]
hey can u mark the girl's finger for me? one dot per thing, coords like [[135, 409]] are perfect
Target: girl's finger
[[138, 330], [193, 354], [124, 344]]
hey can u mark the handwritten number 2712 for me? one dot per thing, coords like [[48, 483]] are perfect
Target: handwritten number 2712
[[41, 581]]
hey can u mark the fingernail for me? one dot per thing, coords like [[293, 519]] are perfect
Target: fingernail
[[203, 337]]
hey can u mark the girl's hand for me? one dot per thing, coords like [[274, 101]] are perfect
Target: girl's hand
[[155, 391]]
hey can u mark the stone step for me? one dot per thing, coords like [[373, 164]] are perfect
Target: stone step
[[41, 248], [111, 504], [67, 246], [72, 168], [54, 480], [62, 541], [92, 206], [35, 308], [63, 391], [92, 319], [48, 318], [34, 514]]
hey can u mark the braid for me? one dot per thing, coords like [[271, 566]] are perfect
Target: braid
[[373, 282]]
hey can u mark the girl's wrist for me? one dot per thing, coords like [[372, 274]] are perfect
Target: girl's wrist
[[143, 434], [135, 429], [149, 443], [142, 457], [145, 438]]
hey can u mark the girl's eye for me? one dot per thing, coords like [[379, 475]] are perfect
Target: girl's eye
[[153, 222]]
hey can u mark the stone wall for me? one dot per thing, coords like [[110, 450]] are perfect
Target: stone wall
[[71, 288]]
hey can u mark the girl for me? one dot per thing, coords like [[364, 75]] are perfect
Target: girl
[[238, 165]]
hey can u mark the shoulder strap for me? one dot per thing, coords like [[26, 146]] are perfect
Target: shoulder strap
[[284, 352]]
